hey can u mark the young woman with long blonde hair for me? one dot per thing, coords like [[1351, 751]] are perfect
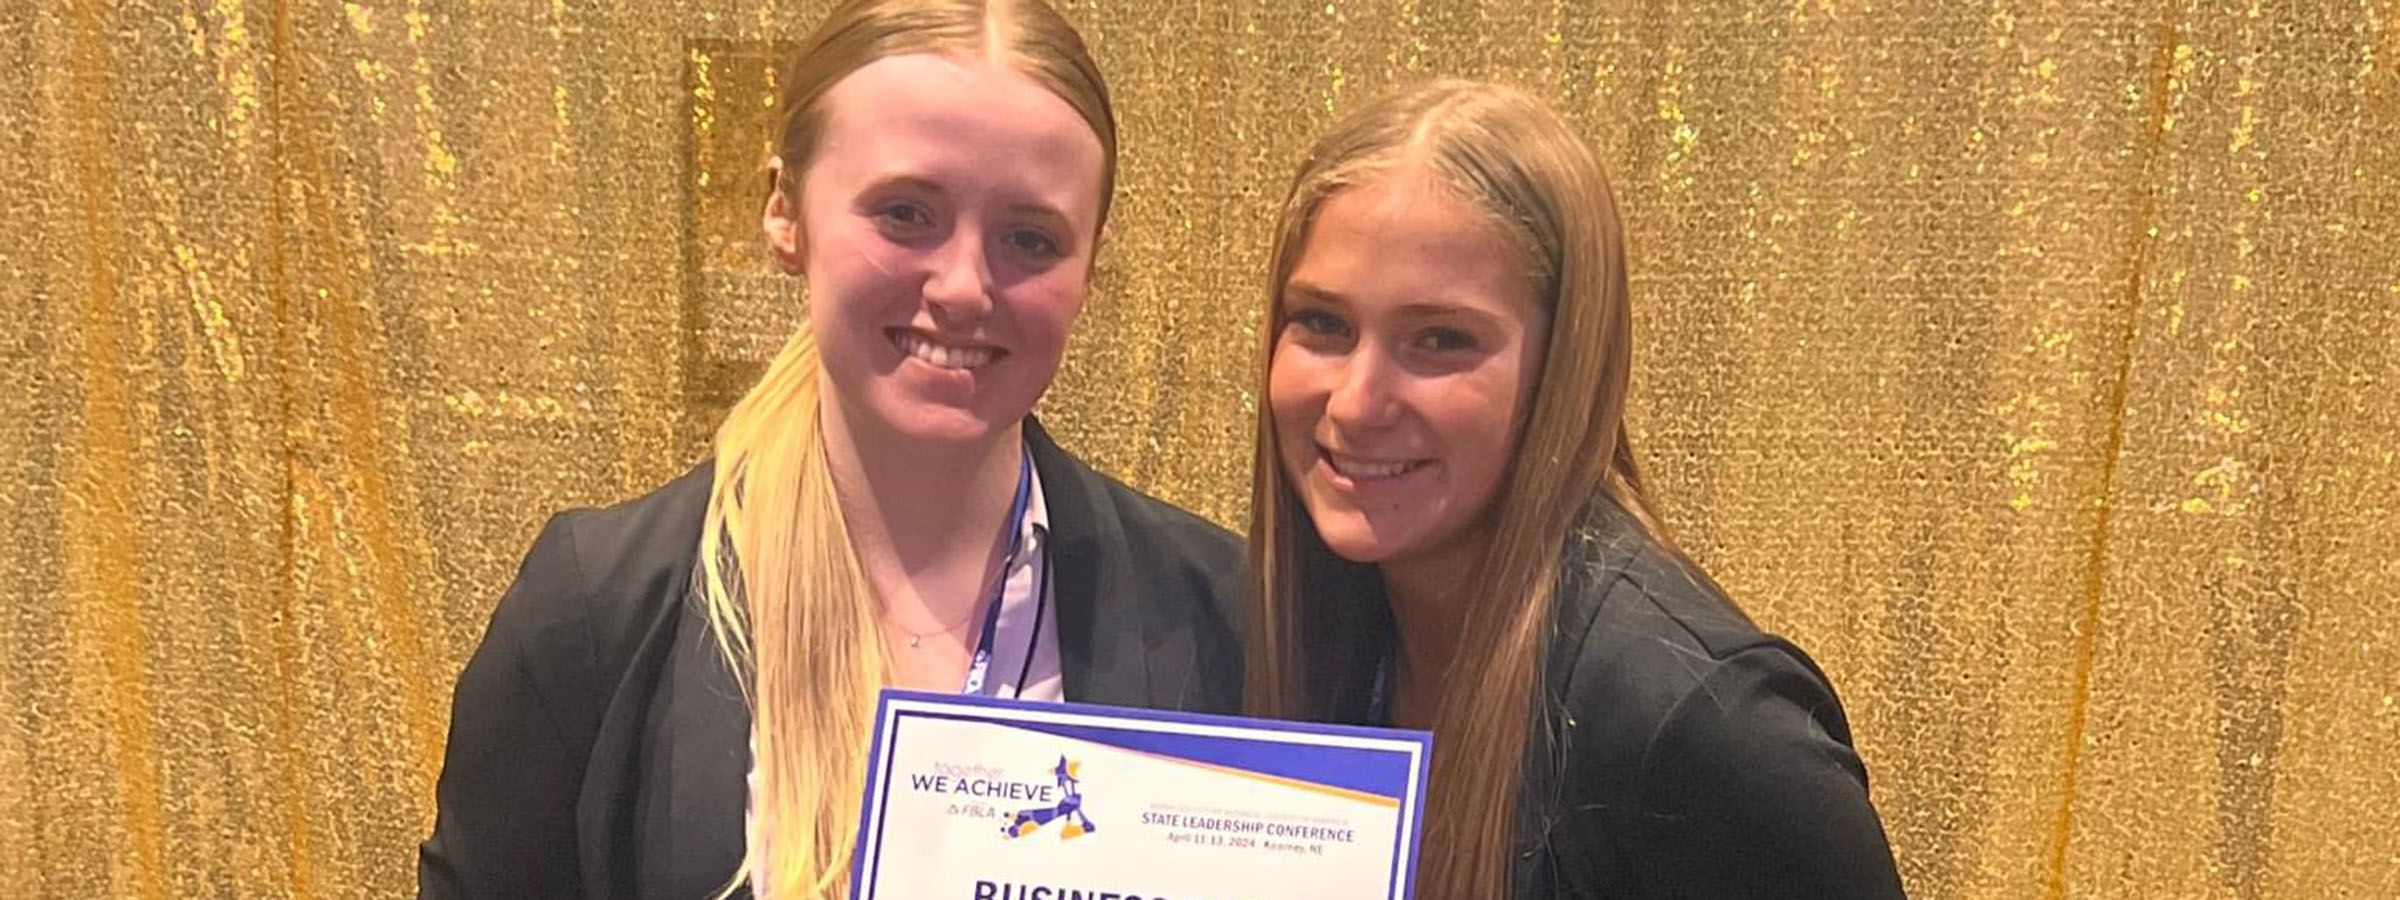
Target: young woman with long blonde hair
[[1449, 532], [674, 698]]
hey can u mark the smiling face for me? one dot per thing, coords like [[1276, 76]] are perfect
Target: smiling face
[[1409, 340], [945, 224]]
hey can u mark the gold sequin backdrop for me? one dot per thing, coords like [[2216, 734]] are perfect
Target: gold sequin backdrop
[[2032, 362]]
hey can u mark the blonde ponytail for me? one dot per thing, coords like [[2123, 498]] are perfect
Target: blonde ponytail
[[776, 560]]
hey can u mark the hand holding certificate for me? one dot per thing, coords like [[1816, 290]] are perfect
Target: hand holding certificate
[[980, 799]]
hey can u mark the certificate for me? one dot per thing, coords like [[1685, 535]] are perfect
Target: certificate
[[971, 798]]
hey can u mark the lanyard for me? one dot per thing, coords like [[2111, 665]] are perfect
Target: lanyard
[[979, 668], [1379, 703]]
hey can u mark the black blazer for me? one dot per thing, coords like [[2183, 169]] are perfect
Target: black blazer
[[599, 747], [1680, 752]]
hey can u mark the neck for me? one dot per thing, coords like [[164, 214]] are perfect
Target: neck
[[924, 517], [1431, 597]]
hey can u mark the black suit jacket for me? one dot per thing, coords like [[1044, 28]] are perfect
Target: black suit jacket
[[1681, 752], [599, 747]]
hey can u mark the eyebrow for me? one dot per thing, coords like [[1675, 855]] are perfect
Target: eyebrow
[[1040, 210], [1428, 310], [893, 180], [1301, 291]]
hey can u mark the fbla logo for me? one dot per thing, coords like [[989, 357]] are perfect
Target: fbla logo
[[1068, 809]]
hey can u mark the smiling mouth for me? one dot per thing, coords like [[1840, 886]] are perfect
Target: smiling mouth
[[929, 351], [1361, 470]]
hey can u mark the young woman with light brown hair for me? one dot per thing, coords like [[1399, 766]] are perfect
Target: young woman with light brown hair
[[1449, 531], [674, 699]]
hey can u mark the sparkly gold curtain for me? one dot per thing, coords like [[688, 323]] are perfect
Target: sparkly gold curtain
[[2033, 363]]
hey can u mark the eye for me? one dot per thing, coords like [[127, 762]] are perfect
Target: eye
[[1035, 244], [1444, 340], [903, 215], [1318, 323]]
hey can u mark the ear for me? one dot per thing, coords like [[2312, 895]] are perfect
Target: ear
[[780, 223]]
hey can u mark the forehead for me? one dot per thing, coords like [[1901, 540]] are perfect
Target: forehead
[[1404, 238], [935, 115]]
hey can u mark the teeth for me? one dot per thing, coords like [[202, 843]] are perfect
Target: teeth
[[944, 357], [1359, 469]]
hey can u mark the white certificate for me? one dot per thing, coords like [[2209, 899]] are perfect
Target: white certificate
[[970, 798]]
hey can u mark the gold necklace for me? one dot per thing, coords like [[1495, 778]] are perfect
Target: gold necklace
[[917, 637], [1000, 588]]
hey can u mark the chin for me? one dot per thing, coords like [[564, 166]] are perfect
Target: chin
[[945, 420], [1356, 542], [946, 426]]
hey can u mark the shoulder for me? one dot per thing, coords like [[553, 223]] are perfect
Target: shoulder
[[1638, 625], [1170, 531], [1719, 750], [1153, 531], [1650, 645], [632, 539], [597, 578]]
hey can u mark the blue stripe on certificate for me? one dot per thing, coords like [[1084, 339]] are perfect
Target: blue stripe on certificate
[[984, 799], [1384, 774]]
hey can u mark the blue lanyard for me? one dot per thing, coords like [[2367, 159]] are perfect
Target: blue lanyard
[[980, 667], [1379, 703]]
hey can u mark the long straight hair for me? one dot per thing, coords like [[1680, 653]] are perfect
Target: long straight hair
[[1318, 621], [787, 603]]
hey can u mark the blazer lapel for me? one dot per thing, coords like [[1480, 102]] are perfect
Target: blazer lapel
[[1103, 651], [700, 748]]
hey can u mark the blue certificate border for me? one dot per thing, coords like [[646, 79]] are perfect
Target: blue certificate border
[[1417, 745]]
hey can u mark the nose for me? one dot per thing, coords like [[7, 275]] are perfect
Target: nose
[[1363, 395], [959, 287]]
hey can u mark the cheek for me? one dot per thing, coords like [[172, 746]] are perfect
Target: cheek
[[1296, 396], [1292, 394], [1479, 424], [847, 269], [1485, 439], [1045, 309]]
